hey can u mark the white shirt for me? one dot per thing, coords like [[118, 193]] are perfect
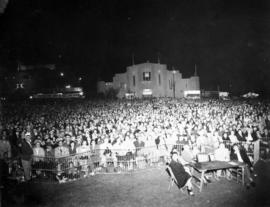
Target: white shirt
[[222, 154]]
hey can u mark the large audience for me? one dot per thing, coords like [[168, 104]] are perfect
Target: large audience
[[118, 128]]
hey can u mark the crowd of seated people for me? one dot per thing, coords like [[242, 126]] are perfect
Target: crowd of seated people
[[131, 130]]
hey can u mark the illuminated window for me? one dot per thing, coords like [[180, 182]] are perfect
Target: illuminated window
[[146, 76]]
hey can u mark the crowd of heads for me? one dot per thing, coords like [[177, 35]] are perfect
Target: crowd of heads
[[124, 125]]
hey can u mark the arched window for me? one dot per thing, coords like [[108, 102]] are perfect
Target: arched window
[[134, 80]]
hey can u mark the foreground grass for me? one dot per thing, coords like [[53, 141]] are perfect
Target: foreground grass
[[146, 188]]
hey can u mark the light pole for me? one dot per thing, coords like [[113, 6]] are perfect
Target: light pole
[[173, 72]]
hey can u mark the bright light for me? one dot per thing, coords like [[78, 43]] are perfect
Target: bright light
[[81, 93], [80, 78], [147, 92], [30, 97], [62, 74], [174, 71], [192, 94], [223, 94], [68, 86]]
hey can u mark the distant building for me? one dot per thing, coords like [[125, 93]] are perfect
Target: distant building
[[29, 80], [150, 79]]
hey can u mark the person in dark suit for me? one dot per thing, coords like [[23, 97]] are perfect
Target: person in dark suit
[[26, 153], [72, 148], [239, 154], [183, 178], [240, 136]]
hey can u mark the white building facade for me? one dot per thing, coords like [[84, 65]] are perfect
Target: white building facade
[[150, 79]]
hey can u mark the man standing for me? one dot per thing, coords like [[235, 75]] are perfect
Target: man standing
[[26, 155]]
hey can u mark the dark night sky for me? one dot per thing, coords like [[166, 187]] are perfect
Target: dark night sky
[[228, 40]]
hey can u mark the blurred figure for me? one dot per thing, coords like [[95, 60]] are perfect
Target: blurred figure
[[5, 147], [49, 152], [61, 150], [5, 155], [38, 152], [83, 153], [233, 137], [72, 148], [265, 143]]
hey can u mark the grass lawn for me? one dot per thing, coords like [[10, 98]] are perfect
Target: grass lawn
[[146, 188]]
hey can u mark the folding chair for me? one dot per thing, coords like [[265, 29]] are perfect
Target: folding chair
[[236, 174], [172, 178]]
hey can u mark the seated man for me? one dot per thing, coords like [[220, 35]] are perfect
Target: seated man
[[182, 177]]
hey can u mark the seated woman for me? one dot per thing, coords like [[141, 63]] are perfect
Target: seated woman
[[187, 154], [221, 154], [182, 177], [239, 153]]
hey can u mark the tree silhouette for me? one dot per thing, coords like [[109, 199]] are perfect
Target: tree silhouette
[[3, 5]]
